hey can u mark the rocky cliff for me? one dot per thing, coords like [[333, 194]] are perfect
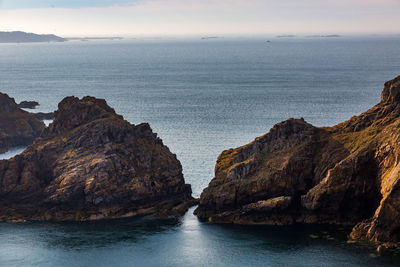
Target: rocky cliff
[[298, 173], [17, 127], [92, 164]]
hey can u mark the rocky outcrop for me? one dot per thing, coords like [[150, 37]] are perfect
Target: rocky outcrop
[[17, 127], [28, 104], [92, 164], [298, 173], [39, 115]]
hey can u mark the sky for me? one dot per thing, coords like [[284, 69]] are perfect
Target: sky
[[200, 17]]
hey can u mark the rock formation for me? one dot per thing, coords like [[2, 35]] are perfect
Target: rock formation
[[17, 127], [28, 104], [92, 164], [39, 115], [298, 173]]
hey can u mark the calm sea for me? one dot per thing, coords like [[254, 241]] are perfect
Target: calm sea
[[201, 97]]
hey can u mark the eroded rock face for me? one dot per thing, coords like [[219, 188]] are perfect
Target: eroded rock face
[[91, 164], [17, 127], [345, 174]]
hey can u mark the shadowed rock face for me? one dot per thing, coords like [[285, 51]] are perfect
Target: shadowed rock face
[[44, 116], [345, 174], [17, 127], [91, 164]]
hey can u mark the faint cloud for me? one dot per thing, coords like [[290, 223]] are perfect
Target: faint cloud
[[176, 17]]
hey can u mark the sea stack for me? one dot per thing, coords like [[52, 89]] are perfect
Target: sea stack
[[91, 164], [297, 173], [17, 127]]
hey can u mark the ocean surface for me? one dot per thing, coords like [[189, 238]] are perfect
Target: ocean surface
[[201, 97]]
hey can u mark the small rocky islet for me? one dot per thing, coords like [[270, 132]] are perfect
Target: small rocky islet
[[348, 174], [91, 164], [28, 104]]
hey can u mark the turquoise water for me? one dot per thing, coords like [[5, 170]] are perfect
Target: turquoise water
[[201, 97]]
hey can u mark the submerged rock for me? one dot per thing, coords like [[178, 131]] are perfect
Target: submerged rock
[[17, 127], [92, 164], [298, 173]]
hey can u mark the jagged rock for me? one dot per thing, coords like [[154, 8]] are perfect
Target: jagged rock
[[345, 174], [17, 127], [92, 164], [28, 104]]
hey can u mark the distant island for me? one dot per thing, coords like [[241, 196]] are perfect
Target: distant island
[[310, 36], [24, 37], [209, 37], [93, 38], [286, 36], [324, 36]]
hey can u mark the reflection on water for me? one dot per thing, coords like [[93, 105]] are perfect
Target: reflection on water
[[12, 152], [180, 242]]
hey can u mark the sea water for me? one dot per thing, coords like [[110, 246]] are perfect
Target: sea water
[[201, 97]]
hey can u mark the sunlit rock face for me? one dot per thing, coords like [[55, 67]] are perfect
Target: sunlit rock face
[[92, 164], [298, 173], [17, 127]]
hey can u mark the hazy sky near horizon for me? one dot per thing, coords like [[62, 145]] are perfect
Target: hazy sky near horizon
[[200, 17]]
